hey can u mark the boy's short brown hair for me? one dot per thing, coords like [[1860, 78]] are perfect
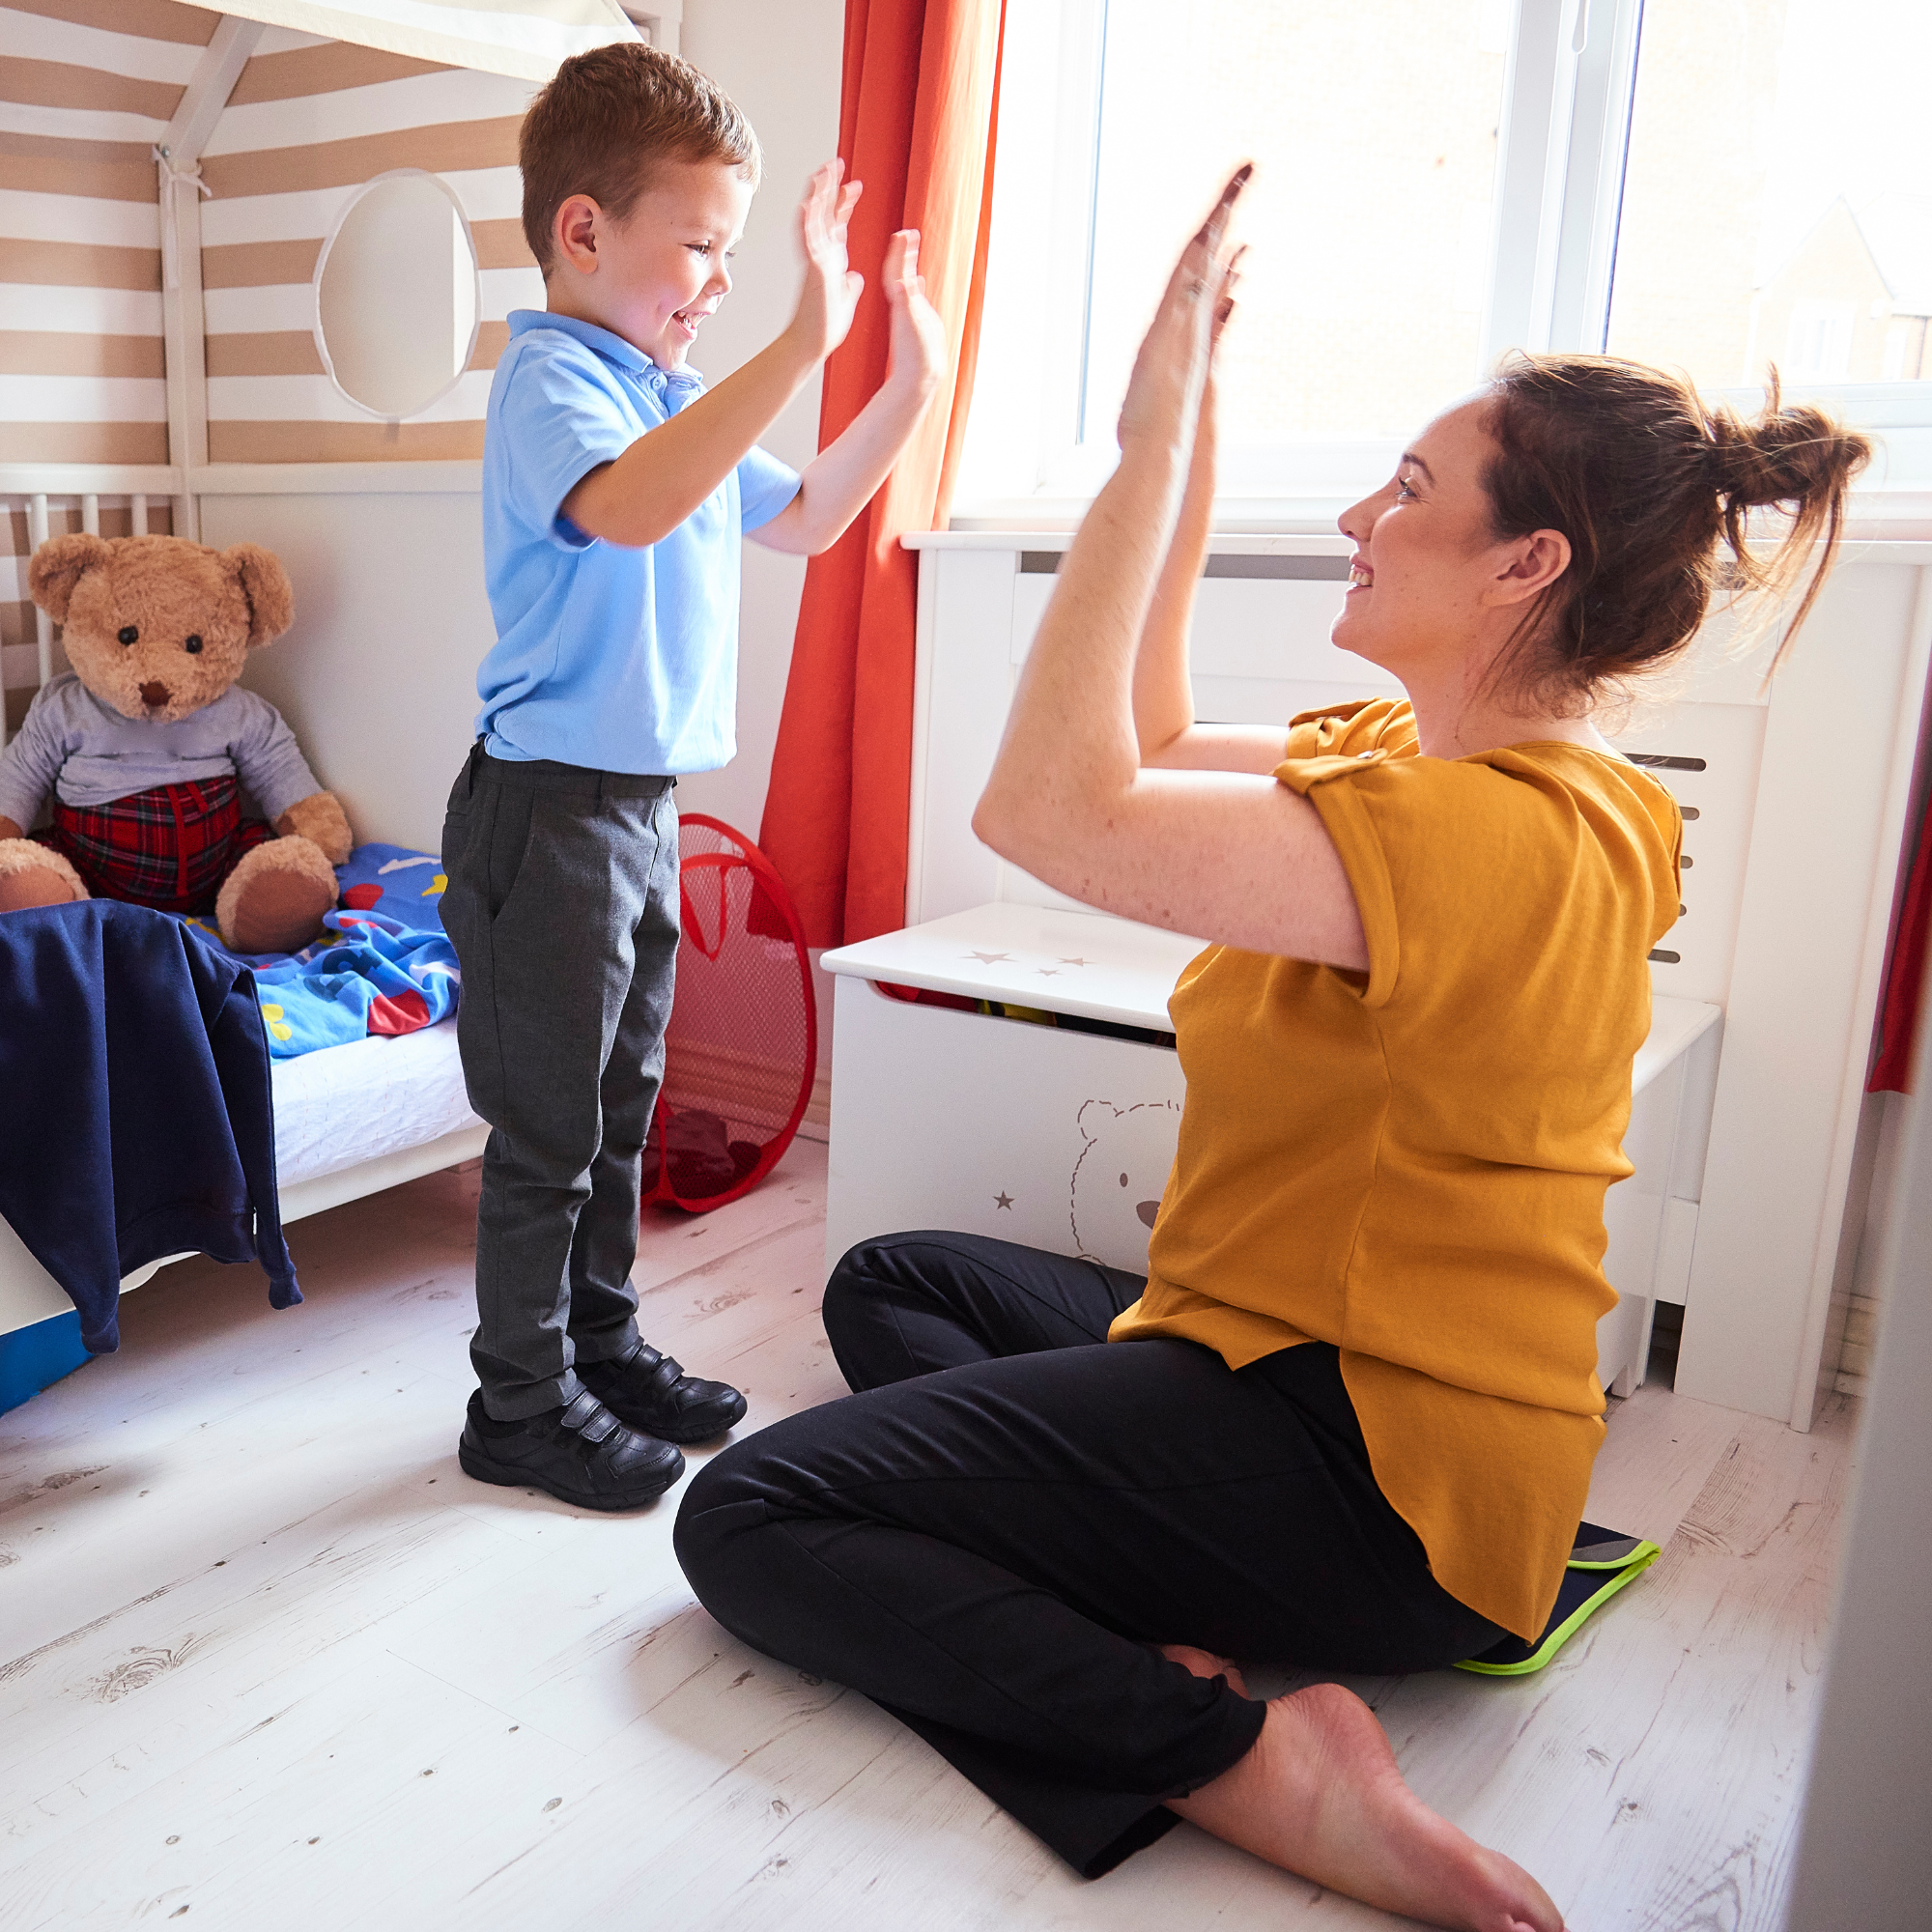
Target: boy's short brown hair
[[606, 118]]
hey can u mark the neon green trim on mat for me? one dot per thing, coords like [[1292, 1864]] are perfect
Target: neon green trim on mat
[[1633, 1566]]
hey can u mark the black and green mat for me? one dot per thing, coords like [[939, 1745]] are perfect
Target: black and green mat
[[1601, 1564]]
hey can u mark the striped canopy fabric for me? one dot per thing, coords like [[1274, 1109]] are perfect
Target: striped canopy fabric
[[87, 87], [308, 124], [523, 39]]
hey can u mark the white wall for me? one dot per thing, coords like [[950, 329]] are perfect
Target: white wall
[[1864, 1857], [779, 60], [377, 674]]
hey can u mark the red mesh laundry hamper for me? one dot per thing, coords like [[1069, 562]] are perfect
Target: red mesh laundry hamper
[[743, 1041]]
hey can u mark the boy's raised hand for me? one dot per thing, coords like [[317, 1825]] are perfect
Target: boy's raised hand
[[918, 351], [831, 292]]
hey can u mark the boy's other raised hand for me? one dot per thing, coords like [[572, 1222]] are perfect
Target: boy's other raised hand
[[917, 351], [832, 286]]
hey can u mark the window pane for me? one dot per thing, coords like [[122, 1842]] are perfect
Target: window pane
[[1773, 204], [1373, 124]]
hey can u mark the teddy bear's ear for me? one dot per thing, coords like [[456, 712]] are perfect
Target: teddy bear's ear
[[57, 568], [272, 598]]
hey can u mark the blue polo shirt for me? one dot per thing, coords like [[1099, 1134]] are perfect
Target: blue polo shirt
[[620, 660]]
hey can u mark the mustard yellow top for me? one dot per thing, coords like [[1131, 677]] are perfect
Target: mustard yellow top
[[1410, 1163]]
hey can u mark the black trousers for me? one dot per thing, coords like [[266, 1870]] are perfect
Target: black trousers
[[991, 1533], [562, 906]]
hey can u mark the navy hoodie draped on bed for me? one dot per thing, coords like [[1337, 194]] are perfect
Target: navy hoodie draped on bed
[[137, 1118]]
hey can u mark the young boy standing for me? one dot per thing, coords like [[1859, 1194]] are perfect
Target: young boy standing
[[615, 488]]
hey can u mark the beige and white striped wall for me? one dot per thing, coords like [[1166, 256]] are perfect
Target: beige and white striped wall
[[87, 88], [308, 123]]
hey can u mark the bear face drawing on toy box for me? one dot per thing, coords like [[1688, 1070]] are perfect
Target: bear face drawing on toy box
[[1118, 1179], [147, 741]]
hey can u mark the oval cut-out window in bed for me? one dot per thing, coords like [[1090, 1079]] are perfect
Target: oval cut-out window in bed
[[396, 295]]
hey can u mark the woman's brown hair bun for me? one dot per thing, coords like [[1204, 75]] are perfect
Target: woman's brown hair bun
[[1645, 480]]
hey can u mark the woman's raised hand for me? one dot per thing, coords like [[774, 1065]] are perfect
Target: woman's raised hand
[[1164, 391]]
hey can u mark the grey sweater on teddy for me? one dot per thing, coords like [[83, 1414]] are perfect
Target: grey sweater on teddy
[[87, 752]]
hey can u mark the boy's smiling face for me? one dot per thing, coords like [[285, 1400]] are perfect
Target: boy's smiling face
[[655, 275]]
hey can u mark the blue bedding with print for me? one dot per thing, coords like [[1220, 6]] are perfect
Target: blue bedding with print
[[383, 966]]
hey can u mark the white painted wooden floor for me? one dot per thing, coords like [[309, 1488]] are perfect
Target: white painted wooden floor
[[268, 1660]]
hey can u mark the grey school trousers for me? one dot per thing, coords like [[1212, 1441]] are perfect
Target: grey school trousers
[[562, 904]]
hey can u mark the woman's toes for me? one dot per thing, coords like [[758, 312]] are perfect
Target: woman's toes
[[1320, 1794]]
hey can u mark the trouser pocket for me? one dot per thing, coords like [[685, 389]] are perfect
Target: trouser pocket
[[486, 842]]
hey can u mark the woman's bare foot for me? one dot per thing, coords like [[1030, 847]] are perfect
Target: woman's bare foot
[[1205, 1664], [1320, 1795]]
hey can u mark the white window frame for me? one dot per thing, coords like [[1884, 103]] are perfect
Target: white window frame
[[1568, 79]]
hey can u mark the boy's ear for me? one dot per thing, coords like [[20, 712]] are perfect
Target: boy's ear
[[57, 568], [574, 233]]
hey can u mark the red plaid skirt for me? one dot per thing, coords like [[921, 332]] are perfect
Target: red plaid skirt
[[169, 848]]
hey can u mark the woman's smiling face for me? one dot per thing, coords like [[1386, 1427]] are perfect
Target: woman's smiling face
[[1431, 579]]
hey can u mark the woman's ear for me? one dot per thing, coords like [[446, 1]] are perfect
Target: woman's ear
[[272, 598], [57, 568], [1537, 561]]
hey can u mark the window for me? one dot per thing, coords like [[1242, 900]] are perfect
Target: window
[[1370, 213], [1710, 185], [1774, 204], [1818, 342]]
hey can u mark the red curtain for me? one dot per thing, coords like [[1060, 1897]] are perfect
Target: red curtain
[[1905, 975], [916, 125]]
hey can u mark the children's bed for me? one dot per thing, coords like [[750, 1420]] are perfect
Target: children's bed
[[210, 413], [349, 1121], [351, 1118]]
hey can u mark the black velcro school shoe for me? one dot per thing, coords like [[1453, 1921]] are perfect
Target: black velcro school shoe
[[580, 1454], [650, 1391]]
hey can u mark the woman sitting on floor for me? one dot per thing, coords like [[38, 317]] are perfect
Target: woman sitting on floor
[[1349, 1420]]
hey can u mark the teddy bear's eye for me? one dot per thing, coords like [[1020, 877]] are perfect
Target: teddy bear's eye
[[192, 643], [129, 633]]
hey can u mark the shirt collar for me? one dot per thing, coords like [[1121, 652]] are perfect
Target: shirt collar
[[674, 386]]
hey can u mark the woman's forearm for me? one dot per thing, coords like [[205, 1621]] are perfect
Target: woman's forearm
[[1163, 691], [1070, 746], [1064, 786]]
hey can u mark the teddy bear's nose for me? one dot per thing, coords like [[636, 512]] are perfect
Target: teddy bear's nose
[[153, 694]]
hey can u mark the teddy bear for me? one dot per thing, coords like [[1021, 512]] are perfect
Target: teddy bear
[[146, 743]]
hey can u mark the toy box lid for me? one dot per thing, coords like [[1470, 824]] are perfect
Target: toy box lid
[[1105, 968], [1089, 963]]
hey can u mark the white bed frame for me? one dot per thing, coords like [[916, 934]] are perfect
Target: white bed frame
[[1796, 803], [387, 796]]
